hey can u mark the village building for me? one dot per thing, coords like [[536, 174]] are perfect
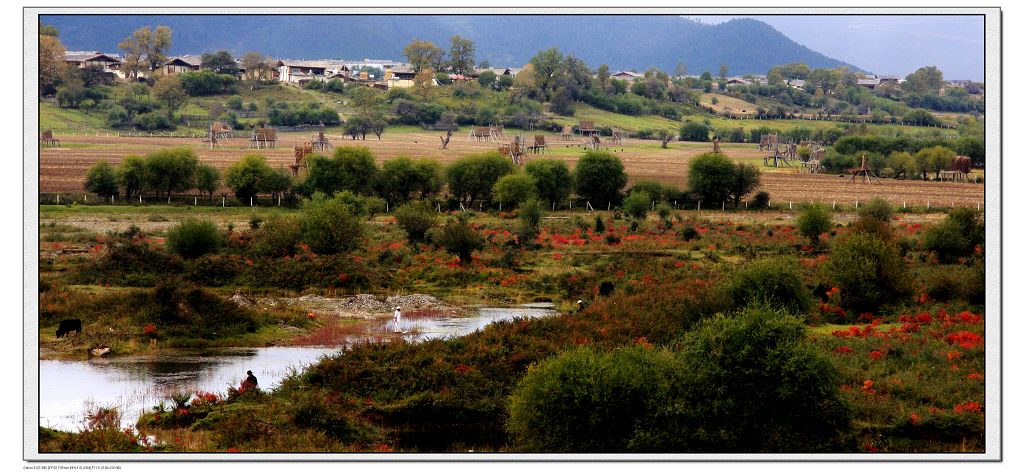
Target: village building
[[303, 71], [108, 63], [181, 64], [400, 75], [497, 71], [627, 76]]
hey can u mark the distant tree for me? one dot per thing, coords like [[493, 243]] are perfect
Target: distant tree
[[526, 83], [169, 91], [49, 30], [416, 218], [331, 225], [705, 76], [603, 76], [350, 168], [248, 177], [278, 182], [694, 132], [131, 174], [459, 238], [460, 55], [553, 179], [723, 70], [423, 54], [207, 179], [680, 70], [52, 65], [903, 164], [146, 49], [101, 179], [923, 81], [515, 188], [171, 170], [257, 67], [637, 204], [712, 177], [774, 77], [600, 177], [934, 159], [665, 136], [220, 62], [746, 178], [546, 63], [814, 220], [402, 179], [484, 64], [473, 177], [487, 78]]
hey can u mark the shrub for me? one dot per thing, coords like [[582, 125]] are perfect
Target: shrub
[[868, 272], [402, 179], [637, 204], [514, 189], [101, 179], [193, 238], [416, 218], [694, 132], [529, 218], [877, 208], [753, 383], [473, 177], [771, 281], [459, 238], [350, 168], [277, 236], [712, 177], [761, 200], [956, 236], [584, 400], [554, 181], [600, 177], [814, 220], [330, 225], [248, 176]]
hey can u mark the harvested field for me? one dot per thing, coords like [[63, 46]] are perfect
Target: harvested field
[[63, 169]]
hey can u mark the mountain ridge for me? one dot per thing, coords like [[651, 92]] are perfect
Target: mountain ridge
[[622, 41]]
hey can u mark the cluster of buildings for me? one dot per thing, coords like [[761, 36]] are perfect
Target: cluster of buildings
[[381, 73]]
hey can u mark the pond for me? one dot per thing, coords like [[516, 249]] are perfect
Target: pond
[[132, 384]]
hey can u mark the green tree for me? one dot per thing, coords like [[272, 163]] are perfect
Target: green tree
[[934, 159], [403, 178], [771, 281], [754, 383], [694, 132], [460, 55], [331, 225], [170, 93], [350, 168], [52, 64], [207, 179], [903, 164], [220, 62], [712, 176], [814, 220], [171, 170], [423, 54], [553, 178], [637, 204], [416, 218], [586, 400], [487, 78], [131, 174], [145, 50], [600, 177], [868, 272], [956, 236], [248, 177], [546, 64], [746, 178], [723, 71], [193, 238], [514, 189], [473, 177], [926, 80], [459, 238], [101, 179]]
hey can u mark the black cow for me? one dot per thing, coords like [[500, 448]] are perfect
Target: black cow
[[68, 326]]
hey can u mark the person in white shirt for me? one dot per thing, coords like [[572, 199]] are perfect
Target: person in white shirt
[[398, 319]]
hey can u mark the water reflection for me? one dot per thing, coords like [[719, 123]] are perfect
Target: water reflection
[[136, 383]]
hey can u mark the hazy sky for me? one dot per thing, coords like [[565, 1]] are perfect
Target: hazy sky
[[889, 44]]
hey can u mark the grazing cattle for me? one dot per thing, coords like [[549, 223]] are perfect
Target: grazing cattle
[[68, 326]]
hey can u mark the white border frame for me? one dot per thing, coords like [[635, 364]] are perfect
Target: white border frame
[[993, 238]]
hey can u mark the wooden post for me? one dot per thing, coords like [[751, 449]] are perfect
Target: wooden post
[[223, 201], [791, 206], [833, 205], [856, 204], [723, 206], [698, 206], [168, 198], [58, 199], [195, 201], [85, 199], [278, 201], [250, 201]]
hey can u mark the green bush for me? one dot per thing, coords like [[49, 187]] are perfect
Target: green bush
[[101, 179], [956, 236], [529, 219], [637, 204], [877, 208], [754, 383], [868, 272], [459, 238], [814, 220], [771, 281], [584, 400], [330, 225], [193, 238], [554, 181], [761, 200], [416, 218], [473, 177], [248, 176], [600, 177], [277, 236], [694, 132], [514, 189], [712, 177]]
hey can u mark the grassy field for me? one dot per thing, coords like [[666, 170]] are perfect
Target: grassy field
[[727, 104]]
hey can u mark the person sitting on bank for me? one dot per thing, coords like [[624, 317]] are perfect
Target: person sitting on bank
[[250, 381]]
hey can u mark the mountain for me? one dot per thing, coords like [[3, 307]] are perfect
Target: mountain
[[621, 41]]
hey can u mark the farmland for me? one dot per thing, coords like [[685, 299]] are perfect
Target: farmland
[[62, 170]]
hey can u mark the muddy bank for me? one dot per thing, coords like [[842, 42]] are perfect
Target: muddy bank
[[362, 306]]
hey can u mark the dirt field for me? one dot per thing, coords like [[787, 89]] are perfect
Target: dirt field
[[63, 169]]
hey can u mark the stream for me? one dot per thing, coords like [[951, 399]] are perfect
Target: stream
[[133, 384]]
